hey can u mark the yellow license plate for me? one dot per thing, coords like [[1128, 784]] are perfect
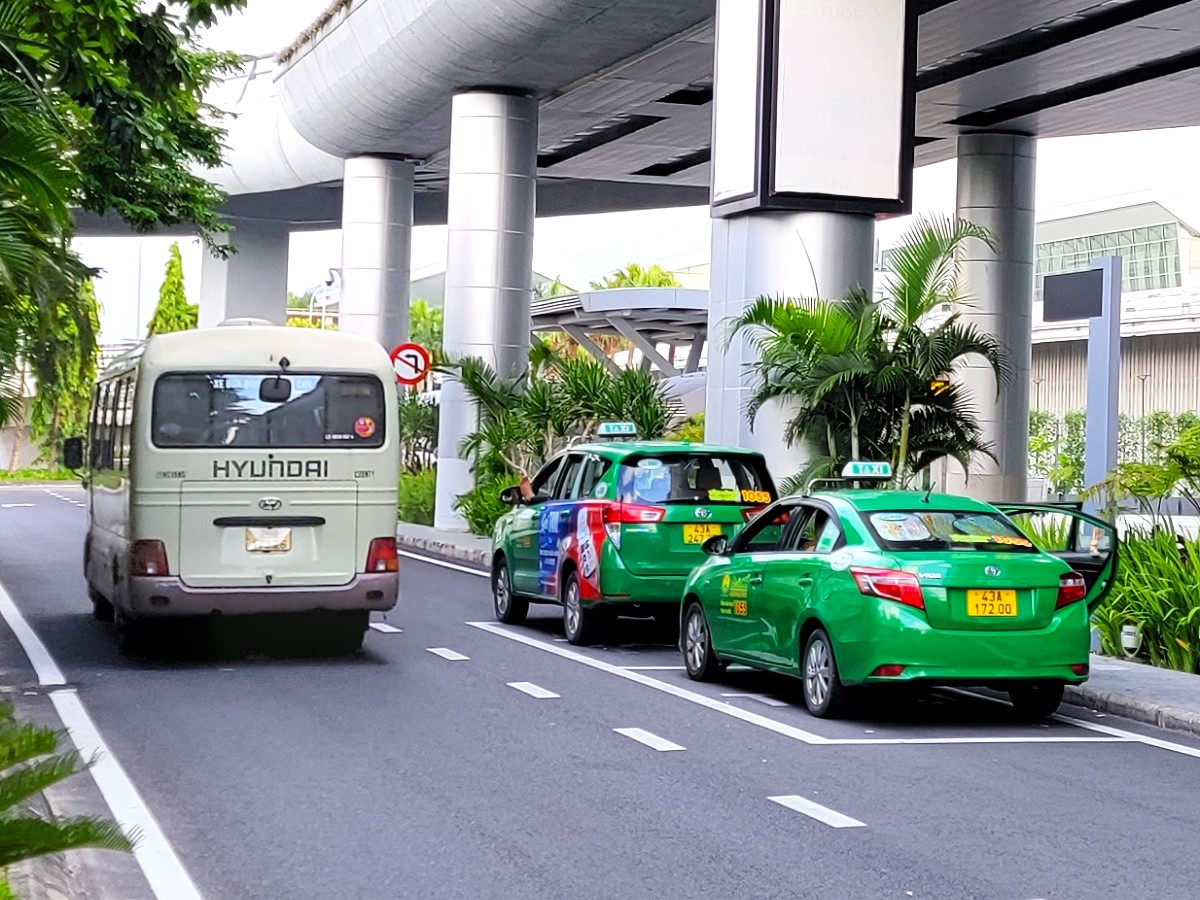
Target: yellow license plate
[[268, 540], [992, 603], [698, 534]]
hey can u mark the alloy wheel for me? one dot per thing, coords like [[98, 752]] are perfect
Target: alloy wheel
[[818, 673], [501, 590], [573, 614], [696, 640]]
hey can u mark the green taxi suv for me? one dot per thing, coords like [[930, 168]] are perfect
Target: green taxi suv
[[855, 587], [617, 526]]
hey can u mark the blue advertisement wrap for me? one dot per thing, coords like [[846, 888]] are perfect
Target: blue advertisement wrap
[[554, 523]]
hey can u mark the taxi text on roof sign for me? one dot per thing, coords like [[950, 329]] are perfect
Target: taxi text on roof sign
[[617, 429], [865, 470]]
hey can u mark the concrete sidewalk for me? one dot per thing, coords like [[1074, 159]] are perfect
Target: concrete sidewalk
[[1134, 690]]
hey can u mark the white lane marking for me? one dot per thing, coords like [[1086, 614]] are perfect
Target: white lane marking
[[443, 564], [769, 701], [830, 817], [447, 654], [162, 868], [682, 693], [653, 741], [736, 712], [653, 668], [15, 505], [48, 672], [384, 628], [160, 864], [528, 687], [1117, 735]]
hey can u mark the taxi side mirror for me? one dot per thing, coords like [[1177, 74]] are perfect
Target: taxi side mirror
[[716, 545], [72, 454], [511, 496]]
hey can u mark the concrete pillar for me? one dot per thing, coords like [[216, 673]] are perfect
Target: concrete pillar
[[791, 254], [996, 175], [489, 262], [377, 221], [251, 283]]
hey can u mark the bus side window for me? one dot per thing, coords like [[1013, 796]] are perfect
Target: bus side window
[[102, 443], [125, 424]]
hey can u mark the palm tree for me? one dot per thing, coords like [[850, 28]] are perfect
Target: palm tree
[[873, 379]]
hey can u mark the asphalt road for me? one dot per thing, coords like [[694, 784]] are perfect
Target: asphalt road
[[404, 773]]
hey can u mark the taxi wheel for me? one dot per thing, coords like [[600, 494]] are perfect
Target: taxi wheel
[[1036, 700], [510, 609], [698, 657], [823, 692], [579, 623]]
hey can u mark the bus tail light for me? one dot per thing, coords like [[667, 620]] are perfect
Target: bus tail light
[[1071, 589], [902, 587], [148, 559], [617, 514], [382, 556]]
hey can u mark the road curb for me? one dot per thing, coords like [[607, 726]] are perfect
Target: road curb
[[1135, 708], [48, 877], [443, 550]]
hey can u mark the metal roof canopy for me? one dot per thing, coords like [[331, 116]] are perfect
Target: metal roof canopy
[[646, 317]]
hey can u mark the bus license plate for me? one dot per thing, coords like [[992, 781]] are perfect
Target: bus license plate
[[698, 534], [268, 540], [992, 603]]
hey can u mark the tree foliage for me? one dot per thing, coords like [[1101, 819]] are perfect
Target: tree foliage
[[173, 312], [635, 275], [30, 763], [875, 380], [426, 325]]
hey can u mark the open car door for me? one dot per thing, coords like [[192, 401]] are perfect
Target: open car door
[[1087, 544]]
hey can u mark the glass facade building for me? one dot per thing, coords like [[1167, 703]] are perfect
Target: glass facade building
[[1149, 256]]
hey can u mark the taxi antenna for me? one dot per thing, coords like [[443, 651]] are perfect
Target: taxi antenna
[[925, 499]]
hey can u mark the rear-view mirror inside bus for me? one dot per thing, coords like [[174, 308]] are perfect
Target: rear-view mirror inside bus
[[275, 390]]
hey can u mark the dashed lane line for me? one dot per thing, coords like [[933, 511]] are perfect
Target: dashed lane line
[[451, 655], [533, 690], [830, 817], [384, 628], [653, 741], [162, 867], [764, 722]]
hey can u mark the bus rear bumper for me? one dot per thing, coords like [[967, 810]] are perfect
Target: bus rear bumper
[[155, 597]]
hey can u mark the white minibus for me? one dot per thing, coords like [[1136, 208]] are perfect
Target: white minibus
[[243, 469]]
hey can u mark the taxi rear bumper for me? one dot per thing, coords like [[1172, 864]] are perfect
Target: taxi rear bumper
[[168, 596]]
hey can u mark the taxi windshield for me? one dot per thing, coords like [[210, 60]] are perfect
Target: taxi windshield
[[944, 530], [683, 478]]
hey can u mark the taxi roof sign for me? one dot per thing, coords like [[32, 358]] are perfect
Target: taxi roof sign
[[867, 471], [617, 429]]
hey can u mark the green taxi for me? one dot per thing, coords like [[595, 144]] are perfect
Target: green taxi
[[871, 586], [618, 526]]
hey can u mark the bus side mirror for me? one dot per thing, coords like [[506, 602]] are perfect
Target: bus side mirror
[[72, 454]]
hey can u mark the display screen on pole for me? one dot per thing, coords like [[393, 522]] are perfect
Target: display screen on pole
[[840, 114], [735, 116], [1072, 296]]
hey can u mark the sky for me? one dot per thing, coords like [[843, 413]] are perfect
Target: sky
[[1074, 175]]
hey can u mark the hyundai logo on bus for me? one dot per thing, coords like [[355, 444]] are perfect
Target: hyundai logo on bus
[[270, 468], [270, 504]]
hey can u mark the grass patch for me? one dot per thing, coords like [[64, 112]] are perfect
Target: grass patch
[[24, 476]]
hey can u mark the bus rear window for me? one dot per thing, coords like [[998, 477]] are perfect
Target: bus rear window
[[706, 478], [232, 409]]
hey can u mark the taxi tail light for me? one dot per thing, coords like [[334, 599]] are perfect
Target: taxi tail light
[[1080, 669], [902, 587], [749, 512], [617, 514], [1071, 589], [888, 671], [148, 559], [382, 556]]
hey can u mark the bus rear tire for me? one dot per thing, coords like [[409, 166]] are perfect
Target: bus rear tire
[[345, 633], [102, 610], [133, 635]]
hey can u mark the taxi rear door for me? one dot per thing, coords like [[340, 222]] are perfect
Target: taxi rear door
[[1088, 544]]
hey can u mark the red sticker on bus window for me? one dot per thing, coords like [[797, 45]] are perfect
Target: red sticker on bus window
[[364, 427]]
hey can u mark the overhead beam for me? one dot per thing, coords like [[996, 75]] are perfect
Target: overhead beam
[[649, 351], [692, 364], [579, 336]]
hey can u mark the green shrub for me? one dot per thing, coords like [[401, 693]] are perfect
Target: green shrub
[[690, 430], [1157, 589], [417, 492], [481, 505], [19, 475]]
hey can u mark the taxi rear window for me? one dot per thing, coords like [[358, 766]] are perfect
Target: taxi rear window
[[942, 530], [682, 478]]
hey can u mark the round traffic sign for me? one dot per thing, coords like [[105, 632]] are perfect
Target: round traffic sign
[[412, 363]]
